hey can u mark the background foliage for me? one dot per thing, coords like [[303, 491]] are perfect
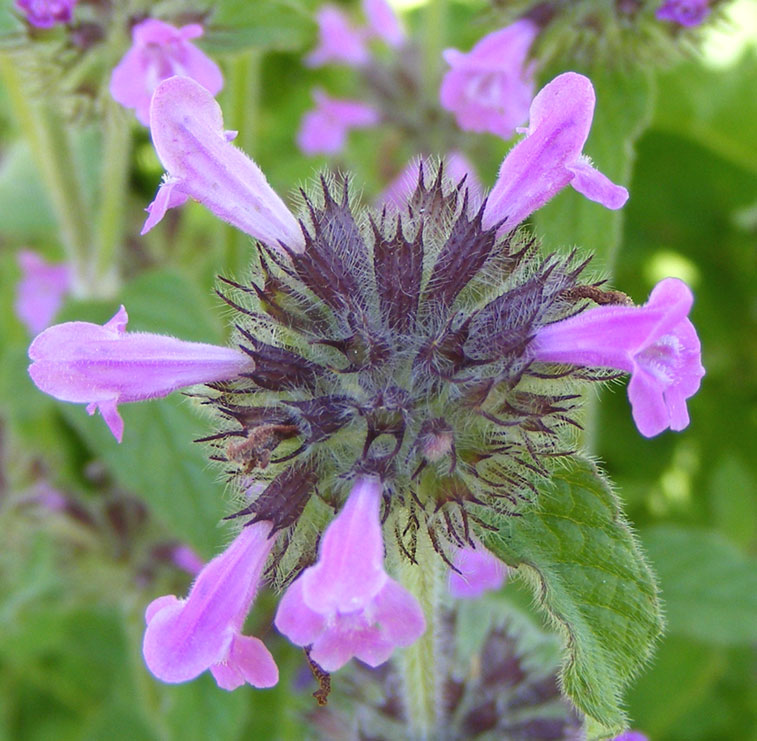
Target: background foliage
[[74, 580]]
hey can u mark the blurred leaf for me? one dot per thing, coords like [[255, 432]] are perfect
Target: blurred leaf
[[589, 575], [200, 710], [623, 110], [24, 203], [268, 24], [708, 587], [719, 111], [679, 679], [732, 489]]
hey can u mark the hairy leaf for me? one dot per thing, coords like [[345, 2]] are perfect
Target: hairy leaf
[[588, 573]]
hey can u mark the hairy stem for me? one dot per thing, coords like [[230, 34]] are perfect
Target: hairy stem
[[51, 147], [420, 663]]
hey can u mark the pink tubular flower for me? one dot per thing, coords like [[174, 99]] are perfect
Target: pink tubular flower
[[456, 167], [656, 343], [185, 637], [187, 130], [160, 51], [324, 130], [41, 290], [549, 158], [338, 40], [478, 571], [347, 605], [103, 366], [46, 13], [491, 87], [684, 12], [383, 22]]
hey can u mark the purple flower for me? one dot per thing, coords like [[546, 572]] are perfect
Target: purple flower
[[491, 87], [383, 22], [347, 605], [478, 571], [46, 13], [41, 290], [456, 167], [631, 736], [186, 559], [656, 343], [549, 158], [684, 12], [324, 130], [187, 130], [103, 366], [185, 637], [338, 40], [160, 51]]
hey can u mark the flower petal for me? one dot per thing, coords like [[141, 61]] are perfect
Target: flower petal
[[479, 571], [596, 186], [398, 614], [249, 661], [295, 619], [187, 130]]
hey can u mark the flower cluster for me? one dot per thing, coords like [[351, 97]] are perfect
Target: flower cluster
[[324, 129], [47, 13], [405, 369]]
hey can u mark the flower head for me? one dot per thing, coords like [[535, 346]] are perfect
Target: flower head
[[383, 22], [47, 13], [491, 87], [324, 130], [347, 605], [656, 343], [103, 366], [684, 12], [338, 40], [550, 156], [476, 571], [41, 290], [185, 637], [187, 130], [160, 51]]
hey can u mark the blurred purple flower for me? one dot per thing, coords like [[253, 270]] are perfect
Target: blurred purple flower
[[186, 559], [456, 167], [491, 87], [631, 736], [324, 129], [339, 42], [684, 12], [550, 156], [347, 605], [383, 22], [656, 343], [160, 51], [204, 631], [187, 130], [46, 13], [41, 290], [478, 571], [103, 366]]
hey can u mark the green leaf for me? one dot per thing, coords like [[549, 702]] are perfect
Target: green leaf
[[267, 24], [709, 588], [719, 111], [623, 110], [588, 573]]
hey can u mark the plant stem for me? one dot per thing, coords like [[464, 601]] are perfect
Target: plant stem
[[113, 188], [51, 147], [419, 664], [242, 100]]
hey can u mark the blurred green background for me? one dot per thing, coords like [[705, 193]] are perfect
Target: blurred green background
[[76, 572]]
